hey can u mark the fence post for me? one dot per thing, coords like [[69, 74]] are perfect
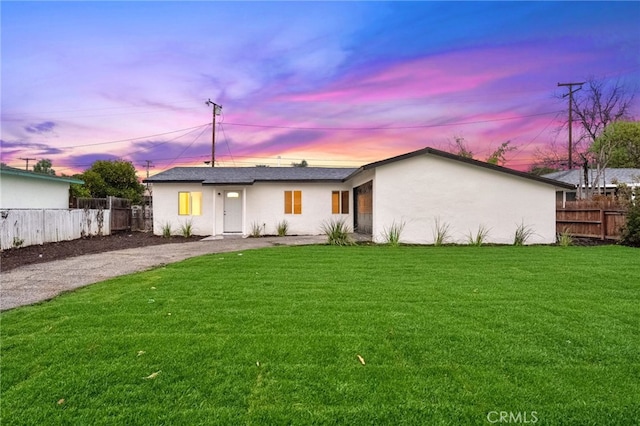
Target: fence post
[[603, 225]]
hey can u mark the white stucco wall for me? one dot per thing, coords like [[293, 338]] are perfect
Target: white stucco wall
[[263, 203], [165, 208], [418, 190], [18, 192]]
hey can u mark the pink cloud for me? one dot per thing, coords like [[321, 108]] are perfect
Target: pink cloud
[[450, 73]]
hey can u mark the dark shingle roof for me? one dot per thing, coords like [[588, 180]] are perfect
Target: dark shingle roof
[[250, 175]]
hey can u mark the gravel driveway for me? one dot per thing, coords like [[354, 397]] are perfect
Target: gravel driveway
[[35, 283]]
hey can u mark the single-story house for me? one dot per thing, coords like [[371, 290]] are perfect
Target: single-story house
[[605, 182], [22, 189], [414, 190]]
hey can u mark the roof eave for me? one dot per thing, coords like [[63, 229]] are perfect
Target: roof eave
[[151, 180], [40, 176], [444, 154]]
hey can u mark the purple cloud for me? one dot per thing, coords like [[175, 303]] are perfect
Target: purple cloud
[[44, 127]]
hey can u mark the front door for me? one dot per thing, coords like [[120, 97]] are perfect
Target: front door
[[232, 211]]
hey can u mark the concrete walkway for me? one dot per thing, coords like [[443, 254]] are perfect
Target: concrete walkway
[[34, 283]]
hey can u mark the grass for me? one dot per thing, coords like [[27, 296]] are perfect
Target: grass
[[272, 336]]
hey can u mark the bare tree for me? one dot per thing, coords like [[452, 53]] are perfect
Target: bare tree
[[459, 147], [552, 156], [599, 104], [499, 155]]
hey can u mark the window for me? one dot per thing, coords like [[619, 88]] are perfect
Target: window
[[340, 202], [292, 202], [190, 203]]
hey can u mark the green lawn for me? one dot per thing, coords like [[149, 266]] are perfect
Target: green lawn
[[272, 336]]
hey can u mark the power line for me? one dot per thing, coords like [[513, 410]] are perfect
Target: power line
[[184, 150], [66, 167], [133, 139], [424, 126], [165, 142], [226, 141], [171, 103]]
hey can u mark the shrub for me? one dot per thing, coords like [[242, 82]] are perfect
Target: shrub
[[337, 232], [256, 229], [523, 233], [631, 231], [166, 230], [441, 233], [479, 238], [564, 238], [282, 228], [393, 233], [186, 229], [17, 242]]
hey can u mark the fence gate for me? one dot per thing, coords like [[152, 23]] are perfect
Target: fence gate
[[591, 220], [120, 214], [120, 210]]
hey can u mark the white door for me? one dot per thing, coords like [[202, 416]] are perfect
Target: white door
[[232, 211]]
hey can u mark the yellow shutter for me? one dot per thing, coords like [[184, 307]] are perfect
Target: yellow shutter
[[297, 202], [287, 202], [345, 202], [183, 203], [335, 202], [196, 203]]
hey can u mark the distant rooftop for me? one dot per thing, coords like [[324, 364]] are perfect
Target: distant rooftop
[[612, 176]]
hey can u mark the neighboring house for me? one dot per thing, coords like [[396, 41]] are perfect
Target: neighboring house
[[21, 189], [413, 190], [606, 182]]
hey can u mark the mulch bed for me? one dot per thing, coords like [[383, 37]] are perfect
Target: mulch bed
[[14, 258]]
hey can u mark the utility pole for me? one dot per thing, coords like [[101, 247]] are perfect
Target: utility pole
[[148, 166], [27, 160], [216, 109], [570, 94]]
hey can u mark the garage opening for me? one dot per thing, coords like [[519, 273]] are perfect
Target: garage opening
[[363, 203]]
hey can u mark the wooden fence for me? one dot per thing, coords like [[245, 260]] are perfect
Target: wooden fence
[[26, 227], [591, 220], [120, 209]]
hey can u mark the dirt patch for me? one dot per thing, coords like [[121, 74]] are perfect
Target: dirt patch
[[14, 258]]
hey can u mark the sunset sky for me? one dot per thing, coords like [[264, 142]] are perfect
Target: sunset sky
[[335, 83]]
